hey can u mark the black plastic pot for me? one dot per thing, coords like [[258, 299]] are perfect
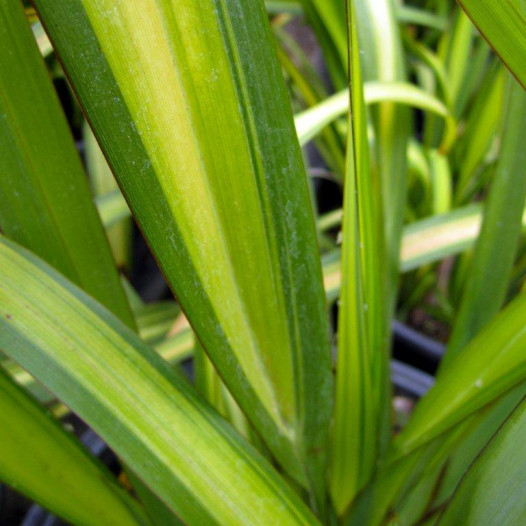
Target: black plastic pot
[[415, 349], [410, 381]]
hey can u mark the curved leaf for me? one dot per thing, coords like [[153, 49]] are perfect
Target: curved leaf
[[44, 462], [493, 363], [176, 443], [493, 490], [425, 241], [310, 122]]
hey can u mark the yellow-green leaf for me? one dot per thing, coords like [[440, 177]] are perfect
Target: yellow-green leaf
[[493, 490], [497, 245], [41, 460], [206, 156], [361, 375], [45, 202], [149, 415], [493, 363], [503, 25]]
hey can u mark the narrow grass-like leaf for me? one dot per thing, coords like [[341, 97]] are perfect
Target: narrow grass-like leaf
[[440, 182], [431, 60], [456, 47], [175, 348], [476, 433], [394, 483], [493, 363], [503, 25], [310, 89], [227, 215], [331, 36], [177, 444], [44, 462], [383, 60], [327, 18], [112, 208], [426, 241], [292, 7], [158, 512], [154, 320], [497, 245], [440, 236], [362, 344], [421, 17], [482, 126], [103, 183], [46, 204], [478, 68], [209, 384], [492, 491], [310, 122]]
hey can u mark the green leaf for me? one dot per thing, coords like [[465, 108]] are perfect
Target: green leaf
[[439, 236], [208, 383], [283, 6], [455, 49], [425, 241], [310, 122], [497, 245], [150, 416], [154, 320], [434, 63], [401, 481], [421, 17], [503, 25], [112, 208], [310, 89], [227, 215], [175, 348], [440, 181], [327, 18], [493, 490], [46, 204], [157, 510], [477, 431], [102, 182], [481, 128], [493, 363], [361, 377], [45, 463], [384, 61]]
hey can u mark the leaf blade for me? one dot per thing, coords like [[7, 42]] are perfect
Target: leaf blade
[[91, 360], [49, 209], [155, 130], [500, 232], [41, 460], [492, 490], [362, 344], [503, 25], [490, 365]]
